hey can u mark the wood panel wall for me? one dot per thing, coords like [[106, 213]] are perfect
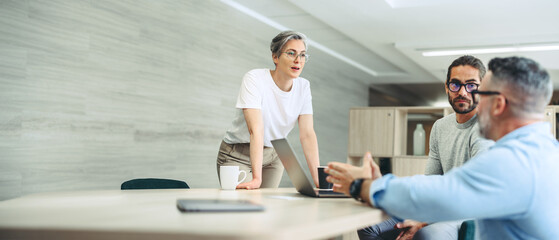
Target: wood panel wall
[[93, 93]]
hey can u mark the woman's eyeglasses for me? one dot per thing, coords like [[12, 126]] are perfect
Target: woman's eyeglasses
[[293, 55]]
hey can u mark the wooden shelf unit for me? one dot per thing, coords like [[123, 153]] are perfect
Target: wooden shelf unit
[[387, 132], [405, 123]]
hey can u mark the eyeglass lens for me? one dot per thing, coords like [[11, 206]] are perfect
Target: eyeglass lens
[[455, 87], [293, 55]]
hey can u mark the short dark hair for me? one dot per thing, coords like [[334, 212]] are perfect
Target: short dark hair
[[468, 61], [527, 80]]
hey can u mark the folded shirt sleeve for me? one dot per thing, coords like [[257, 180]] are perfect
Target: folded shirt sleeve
[[481, 188]]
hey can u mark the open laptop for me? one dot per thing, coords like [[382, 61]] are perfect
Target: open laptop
[[297, 174]]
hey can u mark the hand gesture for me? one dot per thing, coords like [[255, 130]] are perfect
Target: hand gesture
[[342, 174]]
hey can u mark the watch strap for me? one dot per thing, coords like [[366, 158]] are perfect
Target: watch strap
[[355, 189]]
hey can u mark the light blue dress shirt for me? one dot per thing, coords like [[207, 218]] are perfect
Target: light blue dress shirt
[[512, 189]]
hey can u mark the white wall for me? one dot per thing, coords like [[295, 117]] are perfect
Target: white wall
[[93, 93]]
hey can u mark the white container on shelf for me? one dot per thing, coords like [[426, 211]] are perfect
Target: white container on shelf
[[419, 140]]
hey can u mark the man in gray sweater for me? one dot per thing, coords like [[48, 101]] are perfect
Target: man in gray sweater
[[454, 139]]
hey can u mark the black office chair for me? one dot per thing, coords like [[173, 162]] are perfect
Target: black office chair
[[153, 183], [467, 230]]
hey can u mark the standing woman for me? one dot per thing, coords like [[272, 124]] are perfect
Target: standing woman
[[269, 104]]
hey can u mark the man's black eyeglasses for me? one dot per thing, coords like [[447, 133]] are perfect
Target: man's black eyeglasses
[[455, 87], [476, 93]]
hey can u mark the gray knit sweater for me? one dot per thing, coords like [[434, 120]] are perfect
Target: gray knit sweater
[[451, 144]]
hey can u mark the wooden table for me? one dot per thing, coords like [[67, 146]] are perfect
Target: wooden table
[[152, 214]]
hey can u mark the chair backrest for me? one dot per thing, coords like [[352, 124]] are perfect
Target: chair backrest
[[152, 183], [467, 230]]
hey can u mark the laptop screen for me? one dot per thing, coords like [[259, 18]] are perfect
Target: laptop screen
[[294, 170]]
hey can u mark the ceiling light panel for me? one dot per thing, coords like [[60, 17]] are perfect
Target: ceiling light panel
[[490, 50]]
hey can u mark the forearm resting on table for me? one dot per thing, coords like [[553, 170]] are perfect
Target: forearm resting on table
[[256, 155], [255, 126], [310, 149], [307, 136]]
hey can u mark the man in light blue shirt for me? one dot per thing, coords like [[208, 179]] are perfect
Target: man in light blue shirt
[[454, 139], [511, 190]]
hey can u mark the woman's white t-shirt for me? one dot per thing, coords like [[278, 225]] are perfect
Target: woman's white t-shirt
[[280, 110]]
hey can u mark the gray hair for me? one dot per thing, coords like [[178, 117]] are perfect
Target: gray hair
[[527, 80], [282, 38]]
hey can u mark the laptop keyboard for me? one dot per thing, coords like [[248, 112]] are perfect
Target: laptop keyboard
[[328, 192]]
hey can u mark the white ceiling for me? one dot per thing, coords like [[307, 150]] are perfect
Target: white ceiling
[[386, 39]]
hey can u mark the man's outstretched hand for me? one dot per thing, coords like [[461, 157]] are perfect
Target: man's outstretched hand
[[342, 174]]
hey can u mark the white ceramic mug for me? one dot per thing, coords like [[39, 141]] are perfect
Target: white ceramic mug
[[229, 177]]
